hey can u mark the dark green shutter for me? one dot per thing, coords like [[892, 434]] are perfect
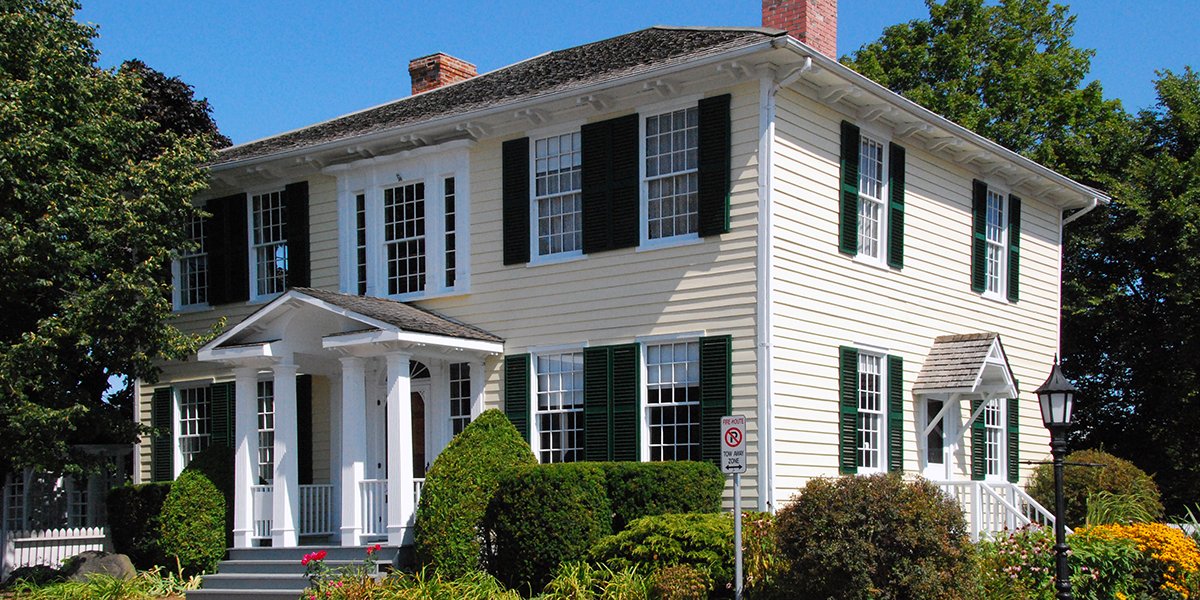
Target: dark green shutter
[[716, 392], [221, 427], [228, 252], [295, 206], [304, 428], [848, 417], [849, 199], [162, 419], [610, 179], [626, 396], [516, 392], [895, 410], [1014, 440], [517, 199], [597, 373], [896, 168], [1014, 248], [714, 165], [978, 442], [611, 396], [978, 236]]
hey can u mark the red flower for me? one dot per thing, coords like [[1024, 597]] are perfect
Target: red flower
[[374, 549], [319, 555]]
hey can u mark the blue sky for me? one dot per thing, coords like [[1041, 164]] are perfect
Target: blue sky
[[269, 66]]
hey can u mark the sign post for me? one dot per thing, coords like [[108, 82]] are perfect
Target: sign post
[[733, 460]]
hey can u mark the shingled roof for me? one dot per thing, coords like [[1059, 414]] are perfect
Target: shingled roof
[[597, 62], [955, 361], [401, 314]]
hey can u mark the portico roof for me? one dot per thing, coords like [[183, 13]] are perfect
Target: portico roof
[[971, 363]]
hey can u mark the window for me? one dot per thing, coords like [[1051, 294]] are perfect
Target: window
[[673, 400], [266, 432], [871, 416], [360, 241], [557, 204], [460, 397], [195, 411], [996, 243], [671, 174], [14, 519], [872, 199], [404, 231], [559, 413], [935, 442], [269, 252], [192, 274], [871, 411], [77, 501], [450, 198], [993, 423]]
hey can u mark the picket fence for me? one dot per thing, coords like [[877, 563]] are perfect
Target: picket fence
[[49, 546]]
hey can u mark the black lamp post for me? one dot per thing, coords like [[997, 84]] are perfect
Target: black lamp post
[[1057, 399]]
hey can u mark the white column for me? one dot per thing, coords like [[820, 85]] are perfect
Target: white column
[[354, 446], [476, 388], [286, 492], [399, 452], [245, 471]]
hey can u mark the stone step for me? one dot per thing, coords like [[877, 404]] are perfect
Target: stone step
[[250, 581], [282, 567], [252, 594], [348, 553]]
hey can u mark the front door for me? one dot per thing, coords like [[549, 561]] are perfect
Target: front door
[[936, 459]]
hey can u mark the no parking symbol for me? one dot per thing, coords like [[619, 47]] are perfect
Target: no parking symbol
[[733, 444]]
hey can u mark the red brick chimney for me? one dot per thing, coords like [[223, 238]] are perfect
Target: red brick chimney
[[813, 22], [437, 70]]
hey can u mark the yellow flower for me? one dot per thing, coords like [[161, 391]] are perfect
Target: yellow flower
[[1177, 555]]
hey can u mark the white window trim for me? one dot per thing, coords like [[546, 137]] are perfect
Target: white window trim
[[881, 450], [1001, 474], [643, 343], [264, 378], [1001, 293], [644, 241], [251, 255], [177, 285], [535, 438], [430, 165], [176, 421], [882, 138], [536, 259]]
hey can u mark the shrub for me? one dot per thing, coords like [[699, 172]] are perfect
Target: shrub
[[430, 585], [542, 516], [192, 526], [703, 541], [216, 463], [457, 490], [680, 582], [875, 537], [581, 581], [654, 488], [1106, 508], [1169, 558], [1116, 475], [133, 518]]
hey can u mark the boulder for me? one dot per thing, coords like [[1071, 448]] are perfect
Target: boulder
[[78, 567]]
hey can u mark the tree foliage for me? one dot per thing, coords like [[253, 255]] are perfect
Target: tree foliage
[[89, 220]]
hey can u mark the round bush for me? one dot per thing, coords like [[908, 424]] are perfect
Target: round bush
[[654, 488], [1115, 475], [192, 525], [542, 516], [458, 487], [680, 582], [875, 537], [702, 541]]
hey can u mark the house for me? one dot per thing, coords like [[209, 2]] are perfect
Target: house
[[618, 244]]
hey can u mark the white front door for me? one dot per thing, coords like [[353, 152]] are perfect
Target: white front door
[[936, 453]]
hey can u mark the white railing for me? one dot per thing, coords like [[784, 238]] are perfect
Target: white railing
[[374, 506], [51, 546], [316, 509], [261, 500], [418, 485], [992, 508]]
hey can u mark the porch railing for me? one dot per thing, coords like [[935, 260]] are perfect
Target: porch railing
[[418, 485], [991, 508], [316, 509], [374, 506], [261, 503]]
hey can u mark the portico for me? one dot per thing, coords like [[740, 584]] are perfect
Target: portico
[[340, 403]]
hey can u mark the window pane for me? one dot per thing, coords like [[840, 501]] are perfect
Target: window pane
[[559, 416], [557, 203], [270, 244], [673, 400], [671, 157]]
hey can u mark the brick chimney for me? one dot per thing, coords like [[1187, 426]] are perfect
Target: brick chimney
[[813, 22], [437, 70]]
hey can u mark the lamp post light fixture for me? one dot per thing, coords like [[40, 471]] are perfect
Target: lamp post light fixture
[[1057, 400]]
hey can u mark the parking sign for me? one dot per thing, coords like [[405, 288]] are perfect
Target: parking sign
[[733, 444]]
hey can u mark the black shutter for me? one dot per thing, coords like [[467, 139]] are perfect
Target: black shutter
[[228, 251], [978, 236], [516, 201], [849, 197], [516, 392], [1014, 248], [896, 168], [848, 417], [1014, 440], [895, 408], [295, 206], [714, 165], [304, 428], [978, 443], [716, 392], [609, 175], [223, 414], [162, 419], [626, 379], [597, 383]]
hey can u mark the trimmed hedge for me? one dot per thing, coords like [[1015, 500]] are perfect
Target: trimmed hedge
[[1116, 476], [877, 538], [216, 463], [543, 516], [638, 490], [133, 519], [192, 526], [458, 488]]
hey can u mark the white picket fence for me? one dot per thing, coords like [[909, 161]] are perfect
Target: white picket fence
[[50, 546]]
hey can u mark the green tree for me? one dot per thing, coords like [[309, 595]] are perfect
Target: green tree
[[1131, 328], [88, 226]]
